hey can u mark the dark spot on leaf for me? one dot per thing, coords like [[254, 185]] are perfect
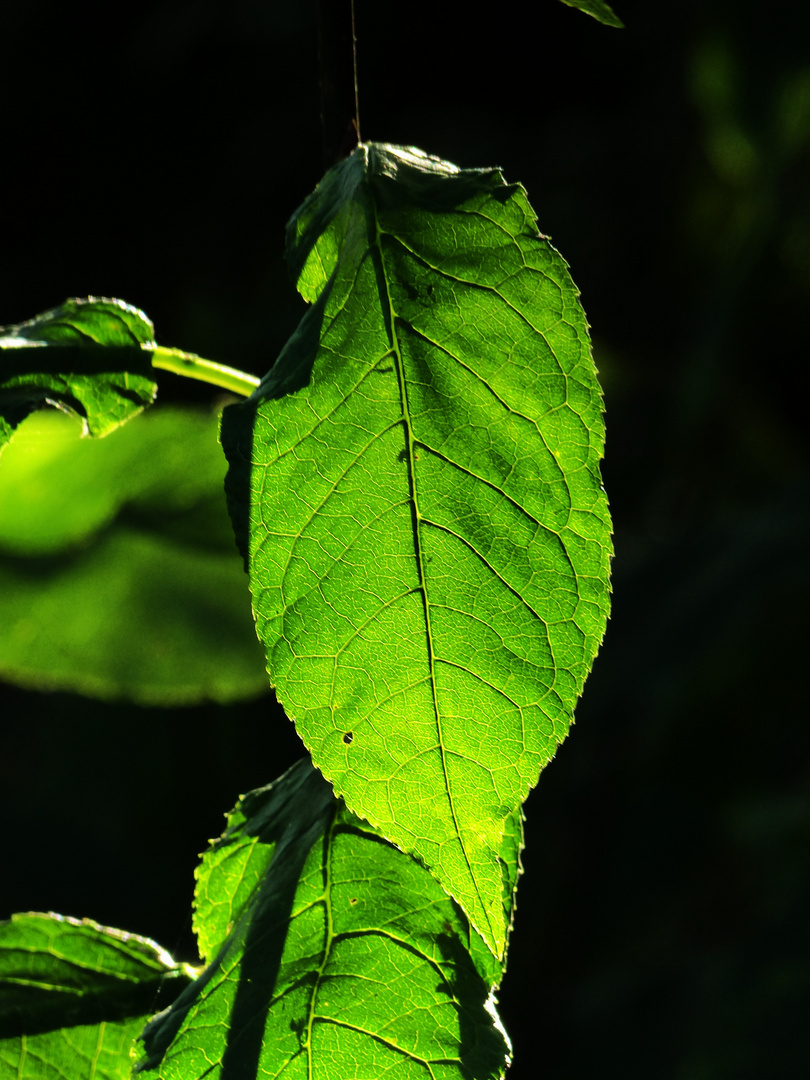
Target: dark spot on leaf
[[353, 900], [348, 737]]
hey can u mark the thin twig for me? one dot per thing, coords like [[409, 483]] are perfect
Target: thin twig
[[337, 55]]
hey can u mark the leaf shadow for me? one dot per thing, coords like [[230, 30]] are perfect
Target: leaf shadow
[[291, 372], [481, 1042], [289, 815]]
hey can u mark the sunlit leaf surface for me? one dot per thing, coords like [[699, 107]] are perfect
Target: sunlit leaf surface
[[417, 487], [86, 356], [333, 955]]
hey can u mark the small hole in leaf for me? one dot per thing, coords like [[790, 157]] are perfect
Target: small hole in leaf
[[348, 737], [353, 900]]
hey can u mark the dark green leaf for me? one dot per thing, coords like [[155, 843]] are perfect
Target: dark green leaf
[[118, 572], [599, 9], [417, 487], [74, 995], [85, 356], [334, 955]]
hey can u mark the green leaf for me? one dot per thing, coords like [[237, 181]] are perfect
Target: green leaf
[[85, 356], [416, 484], [599, 9], [118, 572], [333, 955], [74, 995]]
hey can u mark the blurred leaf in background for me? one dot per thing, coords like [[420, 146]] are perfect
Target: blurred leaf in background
[[119, 576]]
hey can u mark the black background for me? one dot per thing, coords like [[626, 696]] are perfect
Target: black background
[[154, 151]]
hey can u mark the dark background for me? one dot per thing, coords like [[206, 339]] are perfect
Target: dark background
[[154, 151]]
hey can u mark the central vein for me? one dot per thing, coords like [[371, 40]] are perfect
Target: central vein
[[417, 519]]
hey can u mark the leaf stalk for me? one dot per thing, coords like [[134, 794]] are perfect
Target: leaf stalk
[[195, 367]]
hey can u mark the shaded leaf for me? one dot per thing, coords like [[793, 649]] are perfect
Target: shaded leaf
[[416, 486], [118, 572], [85, 356], [333, 955], [74, 995], [599, 9]]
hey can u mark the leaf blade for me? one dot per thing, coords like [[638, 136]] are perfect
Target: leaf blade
[[427, 535], [74, 995], [89, 356], [347, 959]]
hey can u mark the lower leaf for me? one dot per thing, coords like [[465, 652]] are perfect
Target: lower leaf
[[333, 954], [74, 996]]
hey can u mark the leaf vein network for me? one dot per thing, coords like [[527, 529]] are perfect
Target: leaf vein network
[[486, 385], [466, 471], [407, 946], [350, 286], [328, 939], [478, 212], [494, 289], [390, 697], [471, 547], [334, 562], [318, 421], [497, 689], [389, 1044], [372, 618], [490, 627], [80, 965], [303, 532]]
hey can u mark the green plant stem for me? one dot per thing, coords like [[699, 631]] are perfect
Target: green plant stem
[[195, 367]]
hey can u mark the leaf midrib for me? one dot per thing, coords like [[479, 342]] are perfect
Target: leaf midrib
[[416, 518]]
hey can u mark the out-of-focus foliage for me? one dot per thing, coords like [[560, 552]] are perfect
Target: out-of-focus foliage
[[119, 577]]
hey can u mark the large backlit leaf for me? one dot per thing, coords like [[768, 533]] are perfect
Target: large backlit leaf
[[417, 487], [75, 995], [118, 572], [86, 356], [333, 955]]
